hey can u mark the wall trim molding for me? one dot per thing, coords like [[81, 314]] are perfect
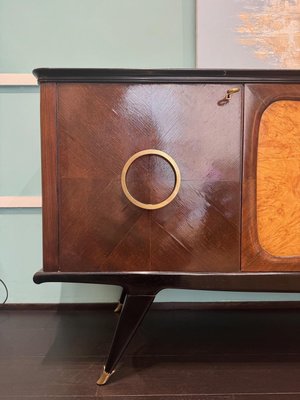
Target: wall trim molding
[[17, 80], [20, 201]]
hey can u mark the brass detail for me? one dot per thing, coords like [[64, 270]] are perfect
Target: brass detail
[[104, 377], [228, 95], [175, 169], [231, 91], [118, 308]]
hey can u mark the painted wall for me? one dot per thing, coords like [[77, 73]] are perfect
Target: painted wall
[[75, 33]]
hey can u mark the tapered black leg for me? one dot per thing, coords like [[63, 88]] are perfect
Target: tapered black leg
[[133, 312], [121, 301]]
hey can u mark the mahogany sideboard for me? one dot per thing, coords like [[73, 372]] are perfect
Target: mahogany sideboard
[[158, 179]]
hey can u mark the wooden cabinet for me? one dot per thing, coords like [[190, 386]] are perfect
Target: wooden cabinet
[[170, 179]]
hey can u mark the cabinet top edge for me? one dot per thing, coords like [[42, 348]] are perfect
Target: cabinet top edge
[[107, 75]]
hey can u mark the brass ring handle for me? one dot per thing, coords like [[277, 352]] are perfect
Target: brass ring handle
[[175, 169]]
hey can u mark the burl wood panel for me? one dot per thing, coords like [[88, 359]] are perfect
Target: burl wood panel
[[100, 126], [278, 179], [270, 211]]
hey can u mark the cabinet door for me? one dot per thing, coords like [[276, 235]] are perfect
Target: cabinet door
[[271, 181], [100, 127]]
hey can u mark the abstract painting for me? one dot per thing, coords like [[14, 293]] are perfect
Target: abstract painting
[[248, 34]]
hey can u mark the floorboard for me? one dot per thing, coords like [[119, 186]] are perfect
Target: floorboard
[[176, 354]]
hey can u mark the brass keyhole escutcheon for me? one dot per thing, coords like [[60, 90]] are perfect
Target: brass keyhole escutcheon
[[228, 96], [231, 91], [170, 160]]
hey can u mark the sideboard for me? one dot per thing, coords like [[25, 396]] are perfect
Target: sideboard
[[158, 179]]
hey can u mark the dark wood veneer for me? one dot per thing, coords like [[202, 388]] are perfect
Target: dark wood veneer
[[49, 176], [149, 283], [100, 127]]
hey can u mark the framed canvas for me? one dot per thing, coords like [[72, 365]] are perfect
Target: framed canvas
[[242, 34]]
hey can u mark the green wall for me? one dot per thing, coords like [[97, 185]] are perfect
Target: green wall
[[75, 33]]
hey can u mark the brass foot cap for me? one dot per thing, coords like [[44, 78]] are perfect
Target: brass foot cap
[[118, 308], [103, 378]]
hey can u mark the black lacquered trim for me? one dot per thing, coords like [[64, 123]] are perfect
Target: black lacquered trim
[[106, 75], [148, 283]]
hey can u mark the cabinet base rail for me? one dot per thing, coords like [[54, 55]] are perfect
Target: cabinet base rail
[[150, 283]]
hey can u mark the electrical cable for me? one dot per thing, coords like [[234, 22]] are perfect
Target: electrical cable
[[6, 290]]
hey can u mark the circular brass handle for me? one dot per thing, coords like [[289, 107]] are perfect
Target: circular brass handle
[[175, 169]]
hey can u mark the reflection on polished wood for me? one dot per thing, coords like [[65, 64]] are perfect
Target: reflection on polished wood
[[101, 127], [278, 179]]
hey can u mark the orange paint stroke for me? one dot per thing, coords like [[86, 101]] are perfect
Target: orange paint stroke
[[272, 31]]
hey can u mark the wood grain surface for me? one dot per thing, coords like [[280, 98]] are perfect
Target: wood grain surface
[[49, 176], [278, 179], [100, 127], [176, 355], [259, 188]]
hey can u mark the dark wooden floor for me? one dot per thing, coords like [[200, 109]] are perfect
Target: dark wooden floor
[[177, 354]]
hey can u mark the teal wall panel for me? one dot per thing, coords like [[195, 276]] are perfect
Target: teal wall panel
[[19, 142], [96, 33]]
